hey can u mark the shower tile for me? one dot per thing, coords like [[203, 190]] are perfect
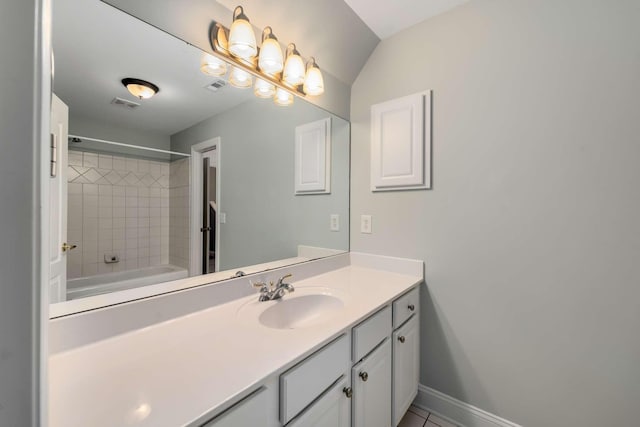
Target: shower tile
[[90, 189], [131, 165], [131, 213], [131, 253], [104, 245], [90, 269], [118, 211], [155, 260], [71, 174], [132, 234], [105, 161], [75, 158], [143, 232], [105, 190], [105, 268], [105, 201], [119, 234], [119, 222], [92, 175], [131, 264], [132, 202], [89, 160], [143, 262], [131, 191], [74, 189], [143, 212], [143, 202], [74, 271], [119, 190], [143, 166], [143, 252], [119, 163], [118, 244]]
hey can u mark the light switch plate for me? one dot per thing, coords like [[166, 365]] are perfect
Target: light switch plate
[[365, 224], [335, 222]]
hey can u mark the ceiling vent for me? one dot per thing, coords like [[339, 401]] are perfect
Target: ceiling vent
[[216, 85], [125, 103]]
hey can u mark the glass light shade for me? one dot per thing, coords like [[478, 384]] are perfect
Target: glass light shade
[[240, 78], [293, 70], [242, 39], [283, 98], [213, 66], [140, 88], [263, 89], [313, 82], [270, 60]]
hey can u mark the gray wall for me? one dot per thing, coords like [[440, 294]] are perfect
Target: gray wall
[[21, 105], [531, 232], [265, 220]]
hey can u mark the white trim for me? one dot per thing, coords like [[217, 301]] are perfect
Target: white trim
[[195, 253], [456, 411]]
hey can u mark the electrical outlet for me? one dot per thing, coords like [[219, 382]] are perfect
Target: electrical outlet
[[365, 224], [335, 222]]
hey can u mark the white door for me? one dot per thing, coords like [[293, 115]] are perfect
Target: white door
[[58, 201], [331, 410], [371, 382], [406, 367]]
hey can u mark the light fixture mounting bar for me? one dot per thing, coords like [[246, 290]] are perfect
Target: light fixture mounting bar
[[222, 53]]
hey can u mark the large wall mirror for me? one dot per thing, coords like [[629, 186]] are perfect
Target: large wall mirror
[[198, 179]]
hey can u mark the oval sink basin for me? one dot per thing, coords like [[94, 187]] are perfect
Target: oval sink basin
[[293, 312]]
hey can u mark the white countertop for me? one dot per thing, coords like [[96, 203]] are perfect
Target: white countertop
[[174, 372]]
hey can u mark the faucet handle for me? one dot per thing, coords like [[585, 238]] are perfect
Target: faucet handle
[[262, 285], [282, 279]]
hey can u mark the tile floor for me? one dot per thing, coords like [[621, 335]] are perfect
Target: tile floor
[[416, 417]]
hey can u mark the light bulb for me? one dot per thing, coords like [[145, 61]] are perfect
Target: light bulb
[[270, 59], [283, 98], [313, 81], [263, 89], [242, 40], [293, 73], [213, 66], [240, 78]]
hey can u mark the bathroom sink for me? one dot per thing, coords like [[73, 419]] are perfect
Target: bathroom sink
[[303, 308]]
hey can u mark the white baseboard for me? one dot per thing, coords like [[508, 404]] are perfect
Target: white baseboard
[[456, 411]]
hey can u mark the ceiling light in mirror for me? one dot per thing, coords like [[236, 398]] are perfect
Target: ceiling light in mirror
[[240, 78], [293, 67], [242, 40], [270, 60], [283, 98], [140, 88], [213, 66], [263, 89], [313, 81]]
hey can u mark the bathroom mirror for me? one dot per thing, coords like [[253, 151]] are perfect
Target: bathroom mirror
[[196, 179]]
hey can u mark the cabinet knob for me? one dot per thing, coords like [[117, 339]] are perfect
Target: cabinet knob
[[348, 392], [364, 376], [411, 307], [402, 339]]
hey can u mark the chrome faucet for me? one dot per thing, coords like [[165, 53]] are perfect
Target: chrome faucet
[[273, 292]]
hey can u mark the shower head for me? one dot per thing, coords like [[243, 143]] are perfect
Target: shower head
[[75, 140]]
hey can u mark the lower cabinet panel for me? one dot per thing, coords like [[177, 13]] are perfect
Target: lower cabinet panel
[[371, 382], [333, 409], [406, 367]]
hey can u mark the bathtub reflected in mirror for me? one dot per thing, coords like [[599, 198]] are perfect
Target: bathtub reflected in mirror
[[197, 179]]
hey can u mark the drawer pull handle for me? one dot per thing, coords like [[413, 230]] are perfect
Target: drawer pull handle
[[402, 339], [411, 307], [364, 376], [348, 392]]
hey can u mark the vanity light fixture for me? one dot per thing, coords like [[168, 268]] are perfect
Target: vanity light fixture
[[313, 81], [213, 66], [140, 88], [242, 40], [240, 78], [293, 73], [263, 89], [277, 75], [283, 98], [270, 60]]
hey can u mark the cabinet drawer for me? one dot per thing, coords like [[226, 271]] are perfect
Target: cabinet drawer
[[405, 306], [251, 411], [368, 334], [303, 383]]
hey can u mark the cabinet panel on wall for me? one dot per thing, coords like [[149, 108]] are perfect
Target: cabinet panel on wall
[[406, 367], [371, 382], [333, 409]]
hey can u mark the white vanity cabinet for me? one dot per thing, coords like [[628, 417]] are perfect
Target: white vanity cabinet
[[332, 409], [406, 367]]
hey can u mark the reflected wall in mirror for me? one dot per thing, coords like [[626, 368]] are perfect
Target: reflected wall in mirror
[[197, 179]]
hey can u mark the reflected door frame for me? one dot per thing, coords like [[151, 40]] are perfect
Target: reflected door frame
[[195, 205]]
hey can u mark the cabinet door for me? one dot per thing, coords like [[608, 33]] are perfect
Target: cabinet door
[[330, 410], [406, 367], [371, 382], [253, 410]]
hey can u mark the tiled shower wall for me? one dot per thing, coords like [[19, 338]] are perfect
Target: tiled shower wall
[[116, 205], [179, 213]]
